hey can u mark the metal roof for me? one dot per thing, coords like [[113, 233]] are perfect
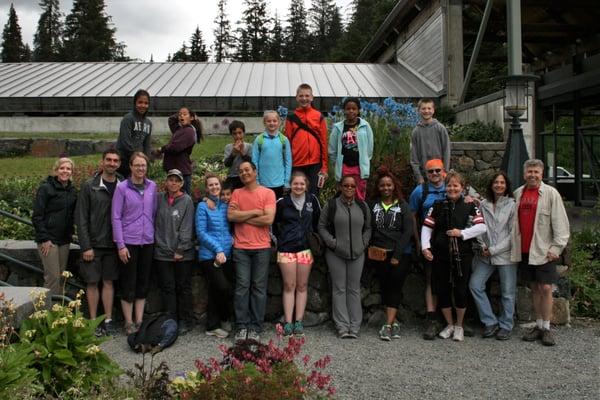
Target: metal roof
[[78, 85]]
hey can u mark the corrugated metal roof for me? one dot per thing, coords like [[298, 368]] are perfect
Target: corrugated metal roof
[[207, 80]]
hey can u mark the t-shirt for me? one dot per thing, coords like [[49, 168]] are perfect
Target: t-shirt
[[246, 236], [527, 209], [434, 195], [110, 186], [350, 144]]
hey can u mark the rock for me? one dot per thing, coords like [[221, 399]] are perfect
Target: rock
[[482, 165], [465, 164], [274, 308], [372, 299], [48, 147], [275, 286], [495, 290], [376, 319], [561, 314], [318, 280], [10, 147], [314, 319], [406, 316], [562, 270], [496, 162], [487, 155], [474, 154], [414, 293], [524, 305], [563, 288], [154, 299], [101, 145], [199, 294], [20, 298], [78, 147], [318, 301]]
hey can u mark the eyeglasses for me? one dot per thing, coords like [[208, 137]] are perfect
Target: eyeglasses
[[437, 171], [349, 186], [140, 166]]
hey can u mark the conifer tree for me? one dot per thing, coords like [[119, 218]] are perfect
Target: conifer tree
[[47, 42], [256, 26], [276, 41], [335, 34], [319, 18], [242, 52], [197, 47], [13, 49], [223, 39], [181, 54], [89, 35], [296, 33]]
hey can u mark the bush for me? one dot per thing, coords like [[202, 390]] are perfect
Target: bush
[[476, 132]]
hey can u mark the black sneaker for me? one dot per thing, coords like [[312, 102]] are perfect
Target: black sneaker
[[490, 331], [109, 328], [432, 330], [503, 334]]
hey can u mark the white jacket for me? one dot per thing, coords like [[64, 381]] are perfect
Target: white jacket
[[499, 223]]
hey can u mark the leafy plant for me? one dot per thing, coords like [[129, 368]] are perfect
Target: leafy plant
[[476, 132], [151, 383]]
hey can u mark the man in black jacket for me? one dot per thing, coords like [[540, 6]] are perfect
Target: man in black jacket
[[98, 253]]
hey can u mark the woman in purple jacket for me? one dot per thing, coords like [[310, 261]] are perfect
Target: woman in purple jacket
[[133, 209], [187, 130]]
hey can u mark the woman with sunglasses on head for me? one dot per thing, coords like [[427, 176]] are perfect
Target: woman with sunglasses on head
[[345, 227], [392, 223]]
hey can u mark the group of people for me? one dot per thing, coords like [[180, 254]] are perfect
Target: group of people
[[127, 227]]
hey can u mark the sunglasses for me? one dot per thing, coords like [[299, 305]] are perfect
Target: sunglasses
[[437, 171]]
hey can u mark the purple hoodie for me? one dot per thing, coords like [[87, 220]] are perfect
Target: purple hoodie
[[133, 213]]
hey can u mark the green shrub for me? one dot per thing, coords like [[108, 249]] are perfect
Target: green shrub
[[476, 132]]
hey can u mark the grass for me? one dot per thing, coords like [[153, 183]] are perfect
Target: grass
[[41, 166]]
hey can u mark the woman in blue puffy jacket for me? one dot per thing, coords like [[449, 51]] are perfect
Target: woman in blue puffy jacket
[[214, 236]]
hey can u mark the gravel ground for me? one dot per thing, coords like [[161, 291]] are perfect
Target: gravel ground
[[412, 368]]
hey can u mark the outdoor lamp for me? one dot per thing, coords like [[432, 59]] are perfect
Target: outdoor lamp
[[515, 94]]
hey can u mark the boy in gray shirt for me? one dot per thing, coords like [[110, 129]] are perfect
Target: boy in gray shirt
[[234, 152]]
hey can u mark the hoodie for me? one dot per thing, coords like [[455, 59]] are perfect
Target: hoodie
[[427, 142]]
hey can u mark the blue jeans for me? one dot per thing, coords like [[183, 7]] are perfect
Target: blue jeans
[[508, 287], [250, 297]]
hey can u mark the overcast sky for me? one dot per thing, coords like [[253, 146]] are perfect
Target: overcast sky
[[156, 27]]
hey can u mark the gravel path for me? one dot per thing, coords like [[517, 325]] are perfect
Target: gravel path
[[412, 368]]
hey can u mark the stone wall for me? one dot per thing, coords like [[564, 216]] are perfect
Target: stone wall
[[14, 147], [477, 160]]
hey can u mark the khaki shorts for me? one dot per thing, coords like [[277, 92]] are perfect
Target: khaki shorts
[[301, 257]]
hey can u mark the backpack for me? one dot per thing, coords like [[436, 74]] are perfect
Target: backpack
[[261, 139], [151, 333], [332, 206]]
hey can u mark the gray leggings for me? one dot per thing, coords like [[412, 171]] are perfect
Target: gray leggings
[[345, 290]]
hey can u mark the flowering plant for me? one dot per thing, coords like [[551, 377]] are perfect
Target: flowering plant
[[65, 348], [252, 370]]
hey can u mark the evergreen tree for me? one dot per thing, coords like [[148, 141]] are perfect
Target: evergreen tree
[[319, 18], [276, 41], [242, 52], [197, 47], [89, 35], [256, 26], [13, 49], [47, 42], [222, 33], [181, 54], [296, 33], [335, 33]]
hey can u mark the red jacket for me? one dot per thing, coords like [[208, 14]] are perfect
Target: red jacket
[[306, 149]]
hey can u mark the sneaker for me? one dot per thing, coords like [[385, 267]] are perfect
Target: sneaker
[[218, 332], [130, 328], [183, 327], [533, 335], [447, 332], [395, 331], [240, 335], [342, 334], [503, 334], [385, 333], [432, 330], [288, 329], [459, 334], [109, 328], [253, 335], [352, 335], [548, 338], [298, 329], [490, 331], [99, 331]]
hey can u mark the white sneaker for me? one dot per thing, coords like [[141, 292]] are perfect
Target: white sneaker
[[459, 334], [253, 335], [218, 332], [240, 335], [447, 332]]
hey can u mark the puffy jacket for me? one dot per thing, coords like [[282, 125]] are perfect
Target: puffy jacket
[[133, 213], [53, 211], [213, 231], [176, 153], [174, 228], [93, 214], [499, 223], [365, 148], [291, 225], [306, 149], [392, 229], [352, 229]]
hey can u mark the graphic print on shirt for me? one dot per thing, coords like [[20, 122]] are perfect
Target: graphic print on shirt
[[350, 145]]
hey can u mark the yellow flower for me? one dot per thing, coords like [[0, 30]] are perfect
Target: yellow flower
[[67, 274], [57, 308], [75, 303], [78, 323], [39, 314], [60, 322], [80, 294], [30, 333], [93, 350]]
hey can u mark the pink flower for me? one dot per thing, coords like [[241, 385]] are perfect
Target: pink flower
[[306, 359]]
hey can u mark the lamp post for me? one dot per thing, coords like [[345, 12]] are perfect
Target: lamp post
[[515, 104]]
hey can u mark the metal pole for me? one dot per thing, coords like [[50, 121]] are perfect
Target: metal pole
[[513, 19]]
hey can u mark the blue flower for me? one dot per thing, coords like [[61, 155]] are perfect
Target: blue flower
[[283, 111]]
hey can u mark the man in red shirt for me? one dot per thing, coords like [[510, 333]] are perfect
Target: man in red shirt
[[540, 234], [306, 130]]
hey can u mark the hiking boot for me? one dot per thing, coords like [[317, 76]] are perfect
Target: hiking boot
[[109, 328], [253, 335], [240, 335], [459, 334], [548, 338], [432, 330], [533, 335], [503, 334], [447, 332], [298, 329], [385, 333], [490, 331], [288, 329], [395, 331], [218, 332]]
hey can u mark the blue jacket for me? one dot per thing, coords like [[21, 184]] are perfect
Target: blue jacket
[[365, 148], [212, 229], [290, 226], [273, 164]]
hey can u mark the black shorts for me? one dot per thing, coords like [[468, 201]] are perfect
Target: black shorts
[[545, 273], [104, 266]]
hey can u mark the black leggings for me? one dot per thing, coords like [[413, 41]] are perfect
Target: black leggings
[[220, 292], [134, 277], [391, 278], [175, 281], [448, 282]]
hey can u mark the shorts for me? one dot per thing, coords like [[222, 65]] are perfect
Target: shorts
[[301, 257], [545, 273], [104, 266]]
